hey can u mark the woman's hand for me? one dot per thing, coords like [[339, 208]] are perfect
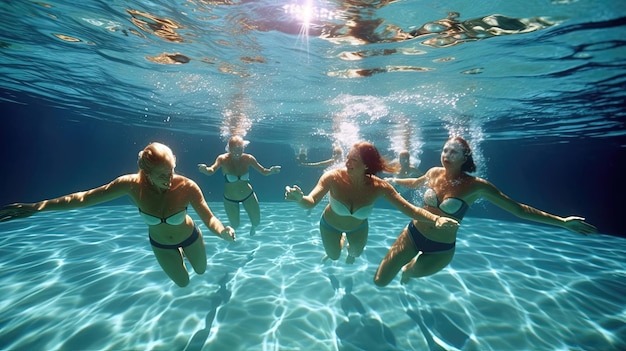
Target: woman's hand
[[293, 193], [18, 210], [391, 180], [446, 222], [203, 168], [228, 234], [578, 225], [275, 169]]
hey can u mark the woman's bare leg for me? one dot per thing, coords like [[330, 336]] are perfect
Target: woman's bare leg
[[333, 242], [251, 205], [426, 264], [232, 212], [401, 252], [171, 261], [356, 243], [196, 254]]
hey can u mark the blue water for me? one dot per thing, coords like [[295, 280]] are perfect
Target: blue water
[[90, 282], [537, 87]]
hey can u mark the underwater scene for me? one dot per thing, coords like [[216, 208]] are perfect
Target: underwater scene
[[536, 88], [90, 282]]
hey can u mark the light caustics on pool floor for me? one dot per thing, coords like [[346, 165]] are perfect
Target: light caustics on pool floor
[[87, 280]]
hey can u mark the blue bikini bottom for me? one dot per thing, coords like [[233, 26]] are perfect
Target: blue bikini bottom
[[427, 246], [195, 234]]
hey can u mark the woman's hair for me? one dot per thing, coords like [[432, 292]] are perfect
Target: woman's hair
[[469, 165], [155, 155], [372, 159], [236, 140]]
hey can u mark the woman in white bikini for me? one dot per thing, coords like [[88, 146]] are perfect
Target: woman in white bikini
[[162, 198], [352, 193], [451, 190], [238, 190]]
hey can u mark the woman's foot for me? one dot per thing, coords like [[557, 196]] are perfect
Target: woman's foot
[[350, 259]]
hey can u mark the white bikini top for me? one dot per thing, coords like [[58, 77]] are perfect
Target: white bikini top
[[175, 219], [231, 178], [339, 208]]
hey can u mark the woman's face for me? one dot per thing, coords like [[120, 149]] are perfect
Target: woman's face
[[354, 163], [453, 154], [161, 177]]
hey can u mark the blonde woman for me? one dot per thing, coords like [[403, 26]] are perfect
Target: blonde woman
[[162, 198], [235, 166]]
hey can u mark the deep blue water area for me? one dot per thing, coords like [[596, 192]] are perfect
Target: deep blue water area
[[48, 152]]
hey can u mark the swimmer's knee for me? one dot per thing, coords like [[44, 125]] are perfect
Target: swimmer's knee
[[333, 257], [182, 282], [255, 220], [381, 283], [233, 219]]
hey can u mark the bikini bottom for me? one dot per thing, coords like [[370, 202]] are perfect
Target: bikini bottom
[[195, 234], [331, 227], [240, 201], [427, 246]]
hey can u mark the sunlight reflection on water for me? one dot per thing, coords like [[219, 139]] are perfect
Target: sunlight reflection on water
[[90, 281]]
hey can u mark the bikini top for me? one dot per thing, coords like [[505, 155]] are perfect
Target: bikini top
[[339, 208], [231, 178], [453, 206], [175, 219]]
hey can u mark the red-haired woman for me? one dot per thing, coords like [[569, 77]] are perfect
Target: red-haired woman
[[352, 193]]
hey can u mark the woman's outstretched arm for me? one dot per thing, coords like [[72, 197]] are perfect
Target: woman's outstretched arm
[[116, 188]]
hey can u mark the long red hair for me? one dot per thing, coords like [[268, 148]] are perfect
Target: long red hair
[[372, 159]]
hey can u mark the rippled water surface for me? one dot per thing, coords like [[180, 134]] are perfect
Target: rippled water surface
[[505, 69], [87, 280]]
